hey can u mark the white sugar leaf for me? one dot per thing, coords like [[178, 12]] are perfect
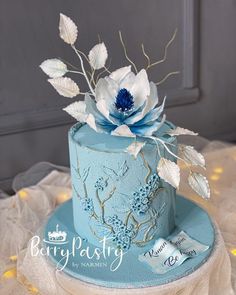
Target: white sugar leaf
[[68, 29], [169, 171], [54, 68], [135, 148], [98, 56], [90, 120], [65, 86], [180, 131], [123, 130], [190, 155], [199, 184], [77, 110]]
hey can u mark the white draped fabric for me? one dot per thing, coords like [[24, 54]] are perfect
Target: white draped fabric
[[40, 189]]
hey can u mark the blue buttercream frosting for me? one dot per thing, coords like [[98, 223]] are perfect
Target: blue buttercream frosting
[[116, 195]]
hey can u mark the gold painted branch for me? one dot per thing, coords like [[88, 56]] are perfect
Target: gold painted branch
[[147, 166]]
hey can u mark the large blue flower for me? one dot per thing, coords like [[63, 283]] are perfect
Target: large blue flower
[[125, 105]]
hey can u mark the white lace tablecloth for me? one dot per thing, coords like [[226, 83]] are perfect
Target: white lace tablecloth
[[40, 189]]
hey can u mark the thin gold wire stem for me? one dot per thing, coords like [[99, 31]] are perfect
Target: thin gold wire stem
[[125, 52], [99, 38], [92, 78], [75, 72], [99, 75], [83, 69], [145, 54], [84, 55], [68, 63], [166, 77], [106, 69], [165, 51]]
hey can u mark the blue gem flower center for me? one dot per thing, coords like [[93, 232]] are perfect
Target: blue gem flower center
[[124, 100]]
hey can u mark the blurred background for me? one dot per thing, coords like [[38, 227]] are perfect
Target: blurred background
[[202, 97]]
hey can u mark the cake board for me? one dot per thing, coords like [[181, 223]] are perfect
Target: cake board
[[131, 273]]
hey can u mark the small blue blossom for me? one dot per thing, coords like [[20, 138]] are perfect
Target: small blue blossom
[[141, 206], [145, 190], [112, 219], [87, 204], [144, 208], [145, 201], [135, 194], [100, 184], [138, 200], [154, 181], [130, 228], [115, 222], [141, 201], [123, 234], [122, 239]]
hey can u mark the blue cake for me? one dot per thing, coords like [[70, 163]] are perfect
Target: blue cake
[[124, 171], [116, 195]]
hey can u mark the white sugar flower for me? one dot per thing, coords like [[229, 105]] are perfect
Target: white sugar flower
[[125, 105]]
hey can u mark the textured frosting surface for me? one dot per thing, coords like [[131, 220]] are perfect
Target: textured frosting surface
[[115, 195]]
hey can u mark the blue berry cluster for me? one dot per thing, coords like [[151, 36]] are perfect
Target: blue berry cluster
[[87, 204], [141, 198], [100, 184], [123, 234]]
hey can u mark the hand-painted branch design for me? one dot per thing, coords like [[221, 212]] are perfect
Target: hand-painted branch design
[[146, 165], [134, 229]]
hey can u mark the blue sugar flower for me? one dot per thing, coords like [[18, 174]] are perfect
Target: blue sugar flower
[[125, 105], [100, 184]]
